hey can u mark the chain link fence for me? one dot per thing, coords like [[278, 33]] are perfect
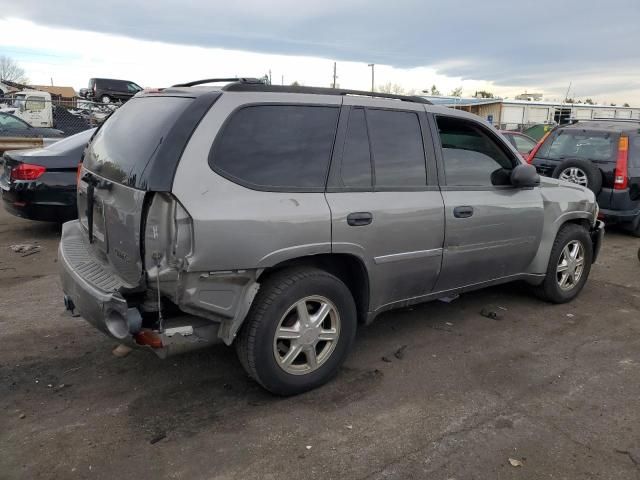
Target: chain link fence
[[71, 116]]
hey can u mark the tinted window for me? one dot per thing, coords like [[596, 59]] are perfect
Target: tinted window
[[277, 146], [580, 144], [470, 154], [126, 142], [523, 144], [398, 152], [8, 121], [355, 170]]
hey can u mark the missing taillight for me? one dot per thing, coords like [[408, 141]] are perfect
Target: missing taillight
[[27, 171]]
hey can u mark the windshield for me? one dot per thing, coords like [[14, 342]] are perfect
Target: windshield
[[580, 144], [18, 102]]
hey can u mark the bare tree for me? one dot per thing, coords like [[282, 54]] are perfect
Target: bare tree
[[391, 88], [11, 71], [456, 92]]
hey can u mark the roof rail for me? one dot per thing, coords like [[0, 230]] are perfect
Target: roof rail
[[244, 80], [605, 119], [262, 87]]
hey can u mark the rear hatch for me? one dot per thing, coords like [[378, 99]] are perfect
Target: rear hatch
[[599, 147], [125, 161]]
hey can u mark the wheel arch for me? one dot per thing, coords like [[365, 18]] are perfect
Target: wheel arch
[[350, 269]]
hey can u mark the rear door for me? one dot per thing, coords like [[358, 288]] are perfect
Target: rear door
[[492, 229], [385, 208], [113, 185]]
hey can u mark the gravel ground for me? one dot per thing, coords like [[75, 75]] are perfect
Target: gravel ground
[[457, 395]]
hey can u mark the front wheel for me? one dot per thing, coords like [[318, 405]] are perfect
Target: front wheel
[[569, 265], [298, 332]]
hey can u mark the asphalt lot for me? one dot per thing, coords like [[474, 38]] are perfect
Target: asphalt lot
[[554, 387]]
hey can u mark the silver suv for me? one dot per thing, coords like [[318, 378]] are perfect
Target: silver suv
[[278, 218]]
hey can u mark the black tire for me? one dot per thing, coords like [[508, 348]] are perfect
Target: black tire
[[255, 343], [593, 173], [550, 289]]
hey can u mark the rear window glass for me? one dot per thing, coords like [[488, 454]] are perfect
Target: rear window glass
[[580, 144], [279, 147], [123, 146]]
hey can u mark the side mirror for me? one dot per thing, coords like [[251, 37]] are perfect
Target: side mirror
[[525, 176]]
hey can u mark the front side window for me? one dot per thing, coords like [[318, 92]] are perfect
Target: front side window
[[471, 156], [279, 147], [397, 148]]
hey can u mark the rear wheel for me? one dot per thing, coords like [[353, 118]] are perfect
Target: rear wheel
[[298, 332], [105, 99], [569, 265], [580, 172]]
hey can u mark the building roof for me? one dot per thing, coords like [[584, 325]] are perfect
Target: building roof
[[65, 92], [460, 101]]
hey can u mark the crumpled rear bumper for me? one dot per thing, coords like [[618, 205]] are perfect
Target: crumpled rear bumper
[[93, 288]]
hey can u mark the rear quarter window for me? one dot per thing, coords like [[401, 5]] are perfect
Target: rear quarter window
[[276, 147], [126, 142]]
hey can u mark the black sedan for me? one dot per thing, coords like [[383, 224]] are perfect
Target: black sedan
[[40, 184], [15, 133]]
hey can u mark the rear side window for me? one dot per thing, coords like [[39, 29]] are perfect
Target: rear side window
[[398, 151], [355, 169], [277, 147], [471, 156], [580, 144], [123, 146]]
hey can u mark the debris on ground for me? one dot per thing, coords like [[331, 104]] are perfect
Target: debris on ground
[[490, 313], [308, 447], [515, 463], [449, 324], [25, 249], [22, 415], [399, 353], [350, 427], [386, 359], [121, 351], [449, 299], [157, 438]]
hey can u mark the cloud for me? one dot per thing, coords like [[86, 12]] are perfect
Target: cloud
[[543, 44]]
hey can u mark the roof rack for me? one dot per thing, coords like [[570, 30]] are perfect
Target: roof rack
[[242, 86], [605, 119], [246, 80]]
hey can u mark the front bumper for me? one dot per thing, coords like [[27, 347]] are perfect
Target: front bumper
[[597, 235], [93, 289]]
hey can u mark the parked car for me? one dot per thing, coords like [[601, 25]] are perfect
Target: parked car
[[17, 134], [602, 155], [275, 218], [41, 184], [522, 143], [110, 90]]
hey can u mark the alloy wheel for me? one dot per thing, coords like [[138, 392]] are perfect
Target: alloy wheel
[[570, 265], [574, 175], [306, 335]]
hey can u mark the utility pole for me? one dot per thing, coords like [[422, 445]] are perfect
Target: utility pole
[[269, 76], [373, 66], [334, 75], [282, 80]]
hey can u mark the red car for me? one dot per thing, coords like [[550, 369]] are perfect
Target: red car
[[523, 143]]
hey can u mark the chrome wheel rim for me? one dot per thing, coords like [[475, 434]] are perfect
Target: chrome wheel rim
[[574, 175], [306, 335], [106, 99], [570, 265]]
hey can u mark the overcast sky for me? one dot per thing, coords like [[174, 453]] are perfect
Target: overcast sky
[[507, 46]]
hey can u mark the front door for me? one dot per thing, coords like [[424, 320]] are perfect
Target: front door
[[383, 209], [492, 229]]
